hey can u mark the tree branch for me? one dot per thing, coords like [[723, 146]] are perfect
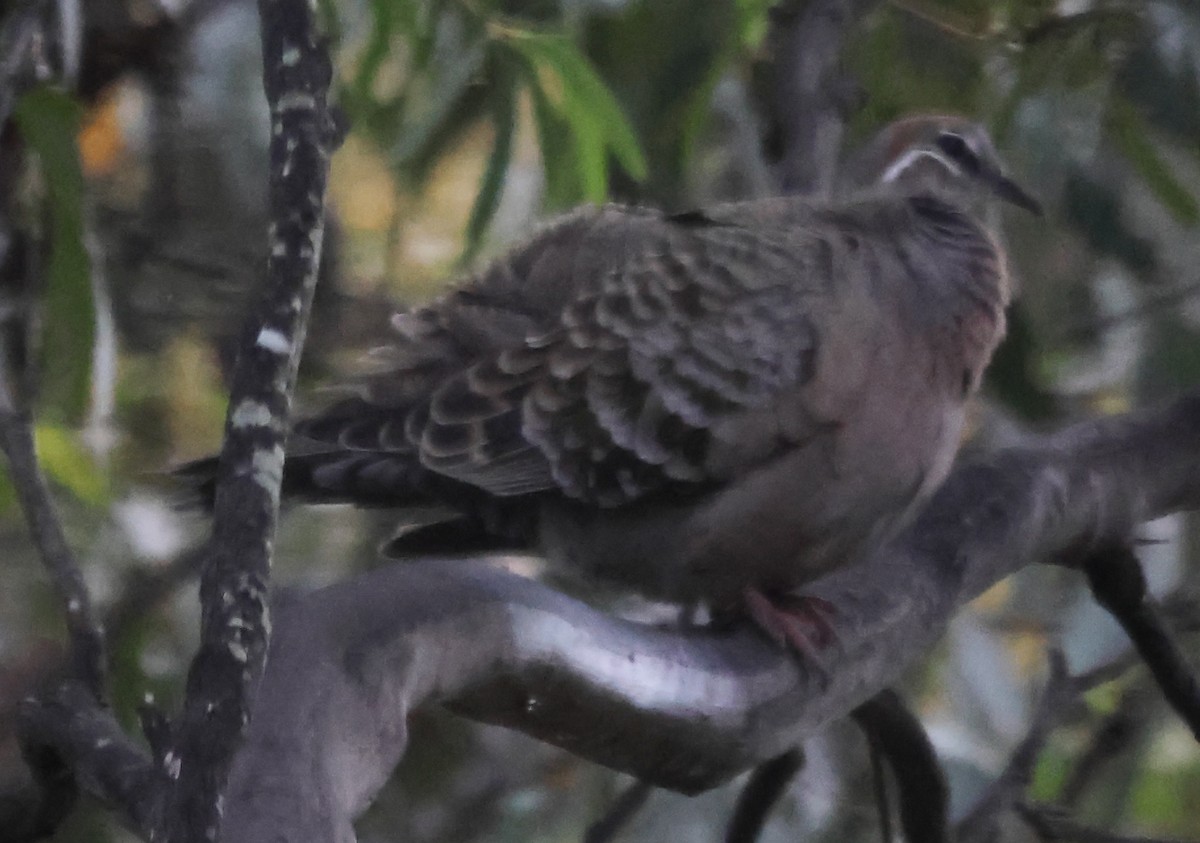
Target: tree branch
[[618, 815], [683, 710], [83, 627], [1008, 790], [767, 784], [808, 94], [86, 739], [48, 729], [1050, 824], [235, 624], [896, 735], [23, 61], [1118, 584]]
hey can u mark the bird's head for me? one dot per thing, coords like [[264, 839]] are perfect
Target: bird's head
[[948, 156]]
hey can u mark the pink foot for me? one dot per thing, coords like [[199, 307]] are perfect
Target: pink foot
[[796, 622]]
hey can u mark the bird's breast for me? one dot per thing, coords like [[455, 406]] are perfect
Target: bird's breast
[[817, 506]]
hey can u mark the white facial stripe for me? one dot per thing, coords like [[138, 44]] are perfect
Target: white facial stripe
[[912, 156]]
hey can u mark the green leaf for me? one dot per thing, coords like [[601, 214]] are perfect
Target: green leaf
[[1131, 135], [456, 100], [49, 122], [590, 153], [69, 464], [578, 94], [492, 184], [1050, 774], [559, 163], [385, 16], [753, 21], [424, 20], [594, 100]]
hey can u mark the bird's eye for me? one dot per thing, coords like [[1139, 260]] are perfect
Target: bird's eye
[[959, 150]]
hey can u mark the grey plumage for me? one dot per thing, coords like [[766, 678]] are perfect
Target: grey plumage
[[691, 404]]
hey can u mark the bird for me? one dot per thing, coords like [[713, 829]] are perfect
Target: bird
[[715, 406]]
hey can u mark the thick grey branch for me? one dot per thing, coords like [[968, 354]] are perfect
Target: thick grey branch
[[684, 710]]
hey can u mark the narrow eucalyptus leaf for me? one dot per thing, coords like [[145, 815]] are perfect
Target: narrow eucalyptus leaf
[[491, 186], [49, 122], [1131, 134]]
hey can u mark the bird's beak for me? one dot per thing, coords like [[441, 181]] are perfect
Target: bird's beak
[[1010, 191]]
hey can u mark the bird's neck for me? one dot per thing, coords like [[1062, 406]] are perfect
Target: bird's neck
[[972, 252], [935, 244]]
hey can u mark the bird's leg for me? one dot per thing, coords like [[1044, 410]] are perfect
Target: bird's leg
[[797, 622]]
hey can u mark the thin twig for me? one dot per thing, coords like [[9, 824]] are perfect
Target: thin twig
[[1118, 584], [958, 29], [83, 626], [1107, 672], [1051, 824], [1116, 733], [618, 815], [22, 62], [896, 735], [1006, 791], [762, 792]]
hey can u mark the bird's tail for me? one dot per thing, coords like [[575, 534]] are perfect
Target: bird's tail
[[432, 525], [368, 479]]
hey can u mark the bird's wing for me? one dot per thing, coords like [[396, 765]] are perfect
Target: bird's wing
[[644, 381]]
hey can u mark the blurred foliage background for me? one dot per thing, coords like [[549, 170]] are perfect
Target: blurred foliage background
[[139, 198]]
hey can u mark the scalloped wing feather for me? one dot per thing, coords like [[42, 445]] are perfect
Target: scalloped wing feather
[[618, 400]]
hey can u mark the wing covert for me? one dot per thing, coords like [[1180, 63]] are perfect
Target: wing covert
[[621, 398]]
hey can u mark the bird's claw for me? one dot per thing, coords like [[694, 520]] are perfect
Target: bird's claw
[[800, 623]]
